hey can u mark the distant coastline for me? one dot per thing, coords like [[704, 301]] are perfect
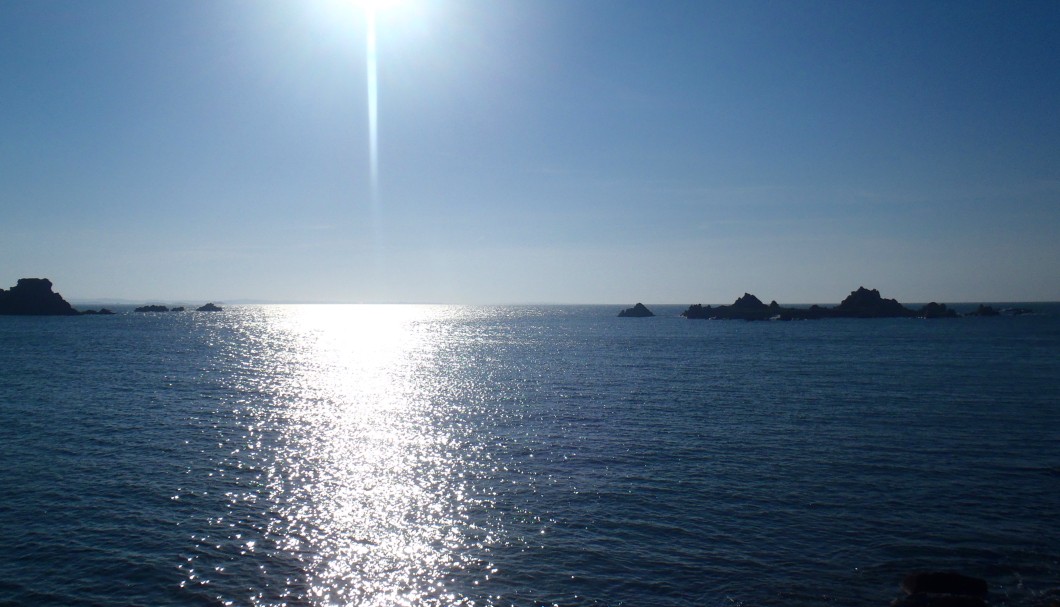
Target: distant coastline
[[35, 297]]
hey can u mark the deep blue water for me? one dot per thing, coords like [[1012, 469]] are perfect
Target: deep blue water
[[434, 455]]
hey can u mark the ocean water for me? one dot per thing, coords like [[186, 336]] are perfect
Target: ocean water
[[447, 455]]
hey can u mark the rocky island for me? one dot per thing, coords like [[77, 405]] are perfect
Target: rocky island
[[862, 303], [103, 311], [984, 310], [637, 311], [210, 307], [747, 307], [34, 297]]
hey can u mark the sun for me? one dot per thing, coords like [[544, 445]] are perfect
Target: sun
[[351, 11], [373, 7]]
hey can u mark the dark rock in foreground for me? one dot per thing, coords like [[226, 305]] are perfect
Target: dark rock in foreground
[[208, 308], [34, 297], [942, 589], [944, 582], [637, 311], [152, 309]]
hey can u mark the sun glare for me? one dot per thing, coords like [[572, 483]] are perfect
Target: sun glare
[[376, 6], [353, 21]]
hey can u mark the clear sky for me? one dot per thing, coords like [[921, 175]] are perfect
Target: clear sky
[[565, 151]]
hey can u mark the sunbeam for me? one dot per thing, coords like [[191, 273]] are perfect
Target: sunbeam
[[373, 104]]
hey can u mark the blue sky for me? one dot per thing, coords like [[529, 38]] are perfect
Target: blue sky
[[574, 151]]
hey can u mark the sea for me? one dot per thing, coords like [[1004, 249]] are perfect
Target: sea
[[421, 455]]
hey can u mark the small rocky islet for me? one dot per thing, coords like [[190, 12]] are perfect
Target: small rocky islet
[[637, 311], [35, 297]]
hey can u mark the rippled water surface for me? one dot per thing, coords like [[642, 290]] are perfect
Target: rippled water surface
[[436, 455]]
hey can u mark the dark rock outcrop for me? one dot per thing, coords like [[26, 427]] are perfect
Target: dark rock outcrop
[[944, 582], [698, 311], [34, 297], [208, 308], [942, 589], [936, 310], [101, 311], [177, 309], [637, 311], [748, 302], [984, 310], [866, 303], [747, 307], [152, 309], [863, 303]]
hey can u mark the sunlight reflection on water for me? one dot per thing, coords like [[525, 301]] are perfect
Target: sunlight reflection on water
[[429, 456], [366, 468]]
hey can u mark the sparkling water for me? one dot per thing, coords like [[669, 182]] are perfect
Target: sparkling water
[[553, 455]]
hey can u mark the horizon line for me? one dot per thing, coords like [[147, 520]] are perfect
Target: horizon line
[[280, 302]]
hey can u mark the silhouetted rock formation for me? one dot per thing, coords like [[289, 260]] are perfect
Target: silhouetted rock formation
[[698, 311], [863, 303], [637, 311], [748, 302], [750, 307], [942, 589], [747, 307], [155, 308], [935, 310], [102, 311], [984, 310], [34, 297]]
